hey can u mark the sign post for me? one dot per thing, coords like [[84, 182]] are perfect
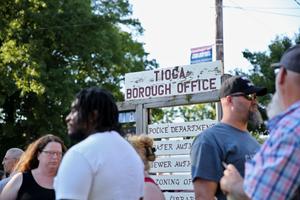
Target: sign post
[[180, 85]]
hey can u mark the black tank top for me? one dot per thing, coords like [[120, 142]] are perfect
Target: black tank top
[[31, 190]]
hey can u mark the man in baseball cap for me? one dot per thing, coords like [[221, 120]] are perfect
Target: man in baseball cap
[[228, 141], [290, 59], [240, 85]]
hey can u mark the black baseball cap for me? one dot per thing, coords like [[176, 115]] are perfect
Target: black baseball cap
[[239, 84], [290, 59]]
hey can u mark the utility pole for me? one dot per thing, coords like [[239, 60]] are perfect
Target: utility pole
[[219, 31], [219, 46]]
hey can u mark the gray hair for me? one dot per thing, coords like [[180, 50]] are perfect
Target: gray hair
[[15, 152]]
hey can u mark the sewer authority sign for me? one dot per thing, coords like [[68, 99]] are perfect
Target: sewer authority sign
[[179, 80]]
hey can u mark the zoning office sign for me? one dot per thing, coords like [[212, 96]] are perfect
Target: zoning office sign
[[179, 80]]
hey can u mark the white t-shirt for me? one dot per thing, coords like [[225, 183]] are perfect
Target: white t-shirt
[[104, 166]]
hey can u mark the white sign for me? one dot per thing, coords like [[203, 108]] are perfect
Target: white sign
[[179, 80], [126, 117], [173, 147], [179, 195], [184, 129], [174, 182], [171, 164]]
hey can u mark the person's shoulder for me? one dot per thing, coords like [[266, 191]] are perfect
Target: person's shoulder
[[3, 182], [17, 175], [86, 148], [294, 113], [87, 143], [17, 178], [209, 132], [152, 191], [75, 153]]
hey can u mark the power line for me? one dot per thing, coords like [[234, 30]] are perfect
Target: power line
[[297, 2], [268, 8], [261, 11], [265, 25]]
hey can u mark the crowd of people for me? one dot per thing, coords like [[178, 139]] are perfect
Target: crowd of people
[[274, 171], [227, 162]]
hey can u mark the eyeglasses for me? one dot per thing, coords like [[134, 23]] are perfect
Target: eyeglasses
[[276, 69], [52, 153], [249, 97]]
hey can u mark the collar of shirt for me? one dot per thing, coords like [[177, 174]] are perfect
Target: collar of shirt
[[274, 121]]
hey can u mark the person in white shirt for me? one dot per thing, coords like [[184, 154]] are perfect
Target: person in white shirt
[[103, 165], [10, 159]]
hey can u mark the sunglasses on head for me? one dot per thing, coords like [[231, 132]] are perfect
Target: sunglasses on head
[[249, 97]]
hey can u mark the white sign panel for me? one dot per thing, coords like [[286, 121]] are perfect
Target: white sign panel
[[173, 147], [179, 80], [171, 164], [184, 129], [179, 195], [174, 182]]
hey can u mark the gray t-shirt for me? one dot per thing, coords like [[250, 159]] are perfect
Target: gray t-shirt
[[221, 142]]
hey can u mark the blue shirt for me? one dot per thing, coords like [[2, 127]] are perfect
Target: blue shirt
[[221, 142]]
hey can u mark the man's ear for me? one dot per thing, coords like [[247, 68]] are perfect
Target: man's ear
[[281, 76], [228, 99]]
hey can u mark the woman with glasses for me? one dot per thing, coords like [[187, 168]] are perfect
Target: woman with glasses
[[36, 170]]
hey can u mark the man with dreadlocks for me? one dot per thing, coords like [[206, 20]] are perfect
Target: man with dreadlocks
[[107, 166]]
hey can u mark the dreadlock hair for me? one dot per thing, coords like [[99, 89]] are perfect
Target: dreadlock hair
[[102, 102]]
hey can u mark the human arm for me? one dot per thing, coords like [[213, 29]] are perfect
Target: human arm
[[207, 168], [10, 191], [74, 178], [151, 191], [232, 184], [204, 189]]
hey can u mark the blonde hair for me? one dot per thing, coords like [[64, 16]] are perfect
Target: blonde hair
[[143, 145], [29, 160]]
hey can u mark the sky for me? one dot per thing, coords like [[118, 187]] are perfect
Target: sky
[[173, 27]]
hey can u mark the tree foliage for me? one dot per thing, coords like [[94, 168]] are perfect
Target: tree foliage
[[262, 73], [49, 50], [186, 113]]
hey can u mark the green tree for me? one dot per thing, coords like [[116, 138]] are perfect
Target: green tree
[[187, 113], [49, 49], [262, 73]]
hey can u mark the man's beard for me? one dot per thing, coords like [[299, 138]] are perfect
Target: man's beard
[[78, 135], [255, 118], [275, 106]]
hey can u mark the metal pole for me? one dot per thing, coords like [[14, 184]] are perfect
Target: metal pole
[[219, 45], [219, 31]]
